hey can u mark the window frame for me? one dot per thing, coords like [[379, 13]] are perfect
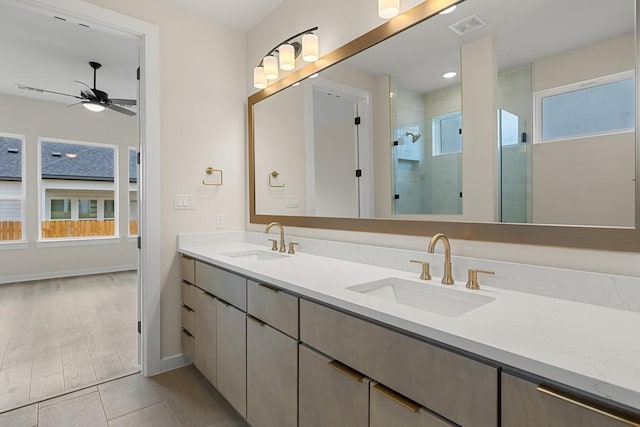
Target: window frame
[[573, 87], [137, 151], [436, 140], [43, 200], [23, 187]]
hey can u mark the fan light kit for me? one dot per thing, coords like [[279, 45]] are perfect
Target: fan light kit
[[91, 98], [284, 56]]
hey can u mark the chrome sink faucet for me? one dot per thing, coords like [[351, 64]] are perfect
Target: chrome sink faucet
[[447, 277], [282, 244]]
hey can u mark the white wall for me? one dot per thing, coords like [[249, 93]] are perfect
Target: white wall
[[337, 29], [203, 71], [34, 118]]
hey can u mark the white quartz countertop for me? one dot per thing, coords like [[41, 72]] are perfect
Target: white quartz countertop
[[592, 348]]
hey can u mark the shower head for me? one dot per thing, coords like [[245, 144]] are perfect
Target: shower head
[[414, 136]]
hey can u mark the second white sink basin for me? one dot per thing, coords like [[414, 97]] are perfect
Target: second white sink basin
[[255, 255], [443, 301]]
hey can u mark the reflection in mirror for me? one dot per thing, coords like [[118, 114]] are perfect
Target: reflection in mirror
[[545, 89]]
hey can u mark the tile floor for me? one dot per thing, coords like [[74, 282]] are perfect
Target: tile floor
[[64, 334], [182, 397]]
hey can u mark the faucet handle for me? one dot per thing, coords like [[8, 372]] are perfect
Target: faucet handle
[[292, 249], [472, 282], [274, 244], [425, 275]]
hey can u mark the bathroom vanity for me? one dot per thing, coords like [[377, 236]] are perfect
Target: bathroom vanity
[[307, 339]]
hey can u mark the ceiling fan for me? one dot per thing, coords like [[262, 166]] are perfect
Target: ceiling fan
[[91, 98]]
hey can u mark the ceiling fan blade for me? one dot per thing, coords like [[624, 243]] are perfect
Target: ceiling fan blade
[[120, 109], [119, 101], [77, 103], [87, 92], [37, 90]]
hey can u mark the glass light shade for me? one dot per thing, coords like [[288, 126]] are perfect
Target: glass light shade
[[270, 64], [309, 47], [259, 81], [448, 10], [388, 8], [287, 57], [96, 108]]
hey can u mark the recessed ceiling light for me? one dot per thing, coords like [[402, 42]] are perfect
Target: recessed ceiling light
[[449, 74], [448, 10], [313, 76], [71, 155]]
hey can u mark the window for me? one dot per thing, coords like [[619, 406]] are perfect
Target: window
[[133, 192], [11, 187], [446, 131], [602, 106], [78, 185], [509, 128]]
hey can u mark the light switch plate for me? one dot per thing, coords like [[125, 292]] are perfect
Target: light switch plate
[[220, 221], [184, 202]]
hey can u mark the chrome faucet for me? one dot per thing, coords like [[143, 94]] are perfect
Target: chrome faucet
[[282, 244], [447, 277]]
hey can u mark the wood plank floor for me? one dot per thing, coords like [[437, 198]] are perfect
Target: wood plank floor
[[64, 334]]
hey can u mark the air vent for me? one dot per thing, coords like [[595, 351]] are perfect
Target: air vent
[[56, 154], [12, 150], [467, 25]]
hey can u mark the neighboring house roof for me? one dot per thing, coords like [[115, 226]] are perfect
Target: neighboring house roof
[[90, 163], [10, 159]]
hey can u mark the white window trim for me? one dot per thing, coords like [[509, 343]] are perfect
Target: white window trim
[[42, 214], [572, 87], [22, 198], [436, 142], [129, 235]]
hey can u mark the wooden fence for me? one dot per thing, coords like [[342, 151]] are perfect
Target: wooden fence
[[10, 230], [81, 228]]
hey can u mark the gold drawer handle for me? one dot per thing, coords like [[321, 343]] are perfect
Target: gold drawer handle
[[271, 288], [550, 392], [398, 398], [259, 322], [345, 370], [187, 333], [186, 307]]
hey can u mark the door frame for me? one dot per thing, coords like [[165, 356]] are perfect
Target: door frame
[[149, 186]]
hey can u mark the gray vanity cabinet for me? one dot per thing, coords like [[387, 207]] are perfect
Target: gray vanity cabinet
[[330, 393], [272, 376], [460, 389], [205, 326], [523, 405], [187, 271], [224, 285], [231, 335], [388, 408]]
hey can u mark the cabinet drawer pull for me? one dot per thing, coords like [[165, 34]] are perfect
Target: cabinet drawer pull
[[345, 370], [398, 398], [259, 322], [209, 295], [550, 392], [186, 307], [271, 288], [187, 333], [223, 302]]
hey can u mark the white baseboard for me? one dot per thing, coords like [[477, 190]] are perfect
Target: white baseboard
[[66, 273], [171, 363]]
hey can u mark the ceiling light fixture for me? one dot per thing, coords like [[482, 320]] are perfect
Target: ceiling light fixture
[[284, 55], [449, 74], [388, 8], [448, 10], [96, 107], [71, 155]]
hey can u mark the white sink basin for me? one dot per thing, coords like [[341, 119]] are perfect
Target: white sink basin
[[443, 301], [255, 255]]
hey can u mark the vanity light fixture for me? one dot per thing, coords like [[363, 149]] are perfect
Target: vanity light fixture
[[448, 10], [388, 8], [449, 75], [284, 55]]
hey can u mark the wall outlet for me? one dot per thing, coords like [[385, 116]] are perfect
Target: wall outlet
[[184, 201], [220, 221]]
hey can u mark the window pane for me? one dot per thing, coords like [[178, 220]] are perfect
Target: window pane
[[509, 128], [109, 210], [87, 209], [447, 133], [605, 108], [61, 209], [10, 188], [133, 192]]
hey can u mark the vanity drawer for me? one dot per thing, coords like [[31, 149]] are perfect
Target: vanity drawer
[[188, 269], [388, 408], [188, 294], [224, 285], [455, 387], [188, 319], [273, 306], [188, 345]]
